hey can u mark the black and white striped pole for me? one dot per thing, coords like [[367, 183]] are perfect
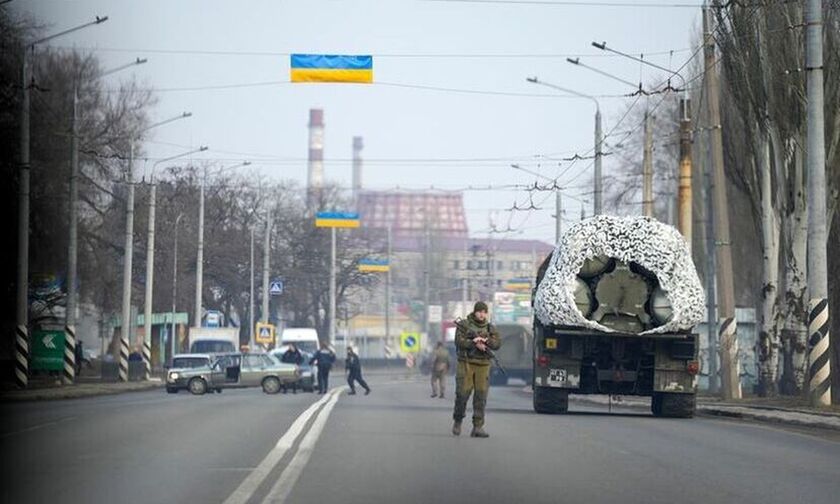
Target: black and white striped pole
[[147, 359], [818, 319]]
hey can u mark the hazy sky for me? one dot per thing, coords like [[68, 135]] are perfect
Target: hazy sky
[[414, 137]]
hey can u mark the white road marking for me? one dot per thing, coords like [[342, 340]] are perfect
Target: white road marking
[[284, 484], [249, 485]]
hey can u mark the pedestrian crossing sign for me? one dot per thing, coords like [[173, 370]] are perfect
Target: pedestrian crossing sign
[[265, 333], [410, 342]]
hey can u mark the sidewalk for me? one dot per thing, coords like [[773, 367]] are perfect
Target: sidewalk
[[77, 390], [787, 410]]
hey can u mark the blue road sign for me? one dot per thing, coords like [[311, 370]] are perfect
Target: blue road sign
[[276, 288]]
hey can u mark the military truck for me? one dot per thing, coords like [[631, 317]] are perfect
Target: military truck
[[615, 304], [514, 354]]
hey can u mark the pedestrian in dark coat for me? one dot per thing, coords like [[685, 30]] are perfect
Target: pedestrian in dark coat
[[354, 372], [324, 358], [291, 356]]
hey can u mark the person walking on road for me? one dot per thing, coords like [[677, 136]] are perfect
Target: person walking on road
[[473, 338], [291, 356], [440, 368], [354, 372], [324, 358]]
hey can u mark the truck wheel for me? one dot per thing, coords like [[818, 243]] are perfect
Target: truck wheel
[[551, 401], [271, 385], [671, 405], [197, 386]]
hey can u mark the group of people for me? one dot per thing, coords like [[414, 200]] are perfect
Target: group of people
[[324, 358], [475, 339]]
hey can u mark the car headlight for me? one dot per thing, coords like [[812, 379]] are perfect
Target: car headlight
[[174, 376]]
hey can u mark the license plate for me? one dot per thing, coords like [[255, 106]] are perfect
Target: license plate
[[557, 376]]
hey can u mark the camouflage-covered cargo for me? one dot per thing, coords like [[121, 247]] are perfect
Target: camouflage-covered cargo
[[615, 306]]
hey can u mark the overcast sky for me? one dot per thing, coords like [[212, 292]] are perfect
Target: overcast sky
[[414, 136]]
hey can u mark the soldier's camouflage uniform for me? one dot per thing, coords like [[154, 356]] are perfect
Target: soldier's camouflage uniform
[[473, 370]]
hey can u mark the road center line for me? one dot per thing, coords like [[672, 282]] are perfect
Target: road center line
[[249, 485], [286, 482]]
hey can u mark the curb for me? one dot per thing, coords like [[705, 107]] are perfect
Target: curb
[[759, 413]]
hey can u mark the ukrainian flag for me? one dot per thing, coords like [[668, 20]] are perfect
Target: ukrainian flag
[[331, 68], [337, 219], [374, 265]]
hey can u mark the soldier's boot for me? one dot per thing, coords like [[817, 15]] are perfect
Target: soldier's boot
[[456, 428], [479, 432]]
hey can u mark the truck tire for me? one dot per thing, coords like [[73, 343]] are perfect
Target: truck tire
[[271, 385], [671, 405], [551, 401], [197, 386]]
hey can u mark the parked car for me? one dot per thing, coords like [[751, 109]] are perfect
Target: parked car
[[182, 363], [308, 381], [235, 370]]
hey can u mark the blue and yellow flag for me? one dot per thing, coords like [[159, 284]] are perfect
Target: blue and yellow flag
[[374, 265], [337, 219], [331, 68]]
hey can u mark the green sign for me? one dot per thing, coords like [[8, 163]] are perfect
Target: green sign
[[47, 350]]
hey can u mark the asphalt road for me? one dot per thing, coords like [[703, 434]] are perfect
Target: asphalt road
[[394, 446]]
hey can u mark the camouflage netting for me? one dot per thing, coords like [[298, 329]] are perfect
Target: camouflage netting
[[655, 246]]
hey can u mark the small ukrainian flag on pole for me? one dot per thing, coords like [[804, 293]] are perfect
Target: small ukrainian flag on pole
[[331, 68]]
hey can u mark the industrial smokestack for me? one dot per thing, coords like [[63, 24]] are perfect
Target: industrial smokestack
[[358, 145], [315, 166]]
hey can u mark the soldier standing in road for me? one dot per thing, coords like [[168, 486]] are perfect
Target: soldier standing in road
[[472, 340], [354, 372], [440, 368], [324, 358]]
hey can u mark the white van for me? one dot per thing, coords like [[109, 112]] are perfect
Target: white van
[[304, 338]]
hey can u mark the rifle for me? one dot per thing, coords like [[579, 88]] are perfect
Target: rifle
[[461, 325]]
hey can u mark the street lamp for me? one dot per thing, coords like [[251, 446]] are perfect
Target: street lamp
[[129, 247], [199, 270], [150, 262], [175, 283], [72, 247], [22, 294], [598, 198]]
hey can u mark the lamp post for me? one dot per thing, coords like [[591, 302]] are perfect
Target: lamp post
[[150, 262], [128, 324], [22, 294], [72, 246], [173, 337], [598, 193]]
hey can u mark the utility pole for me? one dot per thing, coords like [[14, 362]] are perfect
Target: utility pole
[[388, 288], [647, 170], [72, 247], [127, 323], [22, 291], [684, 210], [332, 313], [818, 316], [558, 215], [730, 366], [266, 259], [251, 298], [426, 273], [173, 336], [199, 262], [711, 268], [150, 275], [599, 190]]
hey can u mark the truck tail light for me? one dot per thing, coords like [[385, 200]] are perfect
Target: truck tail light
[[693, 367], [543, 361]]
